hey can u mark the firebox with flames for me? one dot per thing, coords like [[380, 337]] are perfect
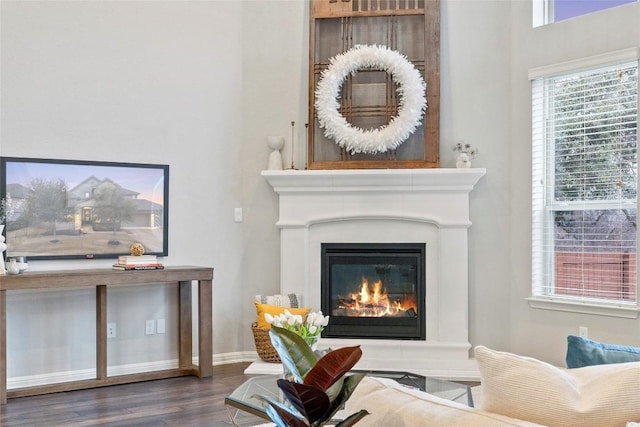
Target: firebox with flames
[[374, 301]]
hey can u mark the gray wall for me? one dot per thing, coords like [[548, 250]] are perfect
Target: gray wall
[[157, 82], [199, 85]]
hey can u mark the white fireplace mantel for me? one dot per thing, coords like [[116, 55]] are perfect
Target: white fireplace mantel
[[420, 180], [429, 206]]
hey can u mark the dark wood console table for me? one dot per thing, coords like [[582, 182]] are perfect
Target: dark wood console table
[[100, 279]]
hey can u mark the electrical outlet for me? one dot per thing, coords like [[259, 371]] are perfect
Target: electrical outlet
[[150, 327], [237, 214], [160, 327], [583, 331], [111, 330]]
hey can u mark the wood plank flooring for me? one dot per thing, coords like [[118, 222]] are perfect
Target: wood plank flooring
[[184, 401]]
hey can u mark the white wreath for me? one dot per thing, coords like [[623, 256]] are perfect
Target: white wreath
[[411, 106]]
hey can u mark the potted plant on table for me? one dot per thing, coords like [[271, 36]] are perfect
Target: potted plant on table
[[308, 328], [319, 385]]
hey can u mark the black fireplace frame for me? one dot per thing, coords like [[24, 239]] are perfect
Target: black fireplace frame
[[398, 328]]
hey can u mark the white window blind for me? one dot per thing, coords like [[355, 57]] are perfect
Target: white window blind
[[585, 165]]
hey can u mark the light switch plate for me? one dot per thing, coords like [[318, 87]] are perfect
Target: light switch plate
[[150, 327]]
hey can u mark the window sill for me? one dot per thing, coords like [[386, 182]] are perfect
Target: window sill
[[573, 306]]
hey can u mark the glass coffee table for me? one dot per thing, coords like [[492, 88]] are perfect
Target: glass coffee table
[[245, 410]]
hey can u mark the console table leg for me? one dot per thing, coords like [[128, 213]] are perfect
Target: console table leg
[[3, 347], [101, 332], [185, 351], [205, 332]]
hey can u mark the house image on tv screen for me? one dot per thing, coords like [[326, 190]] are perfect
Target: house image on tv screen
[[103, 205], [95, 218]]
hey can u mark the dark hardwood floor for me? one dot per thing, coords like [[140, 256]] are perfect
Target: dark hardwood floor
[[185, 402]]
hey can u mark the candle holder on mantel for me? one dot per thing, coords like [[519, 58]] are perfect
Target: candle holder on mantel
[[306, 142], [293, 166]]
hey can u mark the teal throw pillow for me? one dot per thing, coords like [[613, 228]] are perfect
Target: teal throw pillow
[[585, 352]]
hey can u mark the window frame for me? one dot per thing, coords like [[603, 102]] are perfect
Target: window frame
[[543, 204], [544, 12]]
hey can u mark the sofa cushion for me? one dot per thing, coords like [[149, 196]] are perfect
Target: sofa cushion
[[392, 404], [529, 389], [274, 310], [585, 352]]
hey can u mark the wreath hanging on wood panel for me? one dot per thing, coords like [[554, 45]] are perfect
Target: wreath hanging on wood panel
[[411, 105]]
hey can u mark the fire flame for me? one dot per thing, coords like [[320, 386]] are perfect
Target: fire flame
[[375, 302]]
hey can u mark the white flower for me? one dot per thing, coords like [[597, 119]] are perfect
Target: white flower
[[311, 318], [297, 320], [317, 319], [325, 321], [278, 320], [310, 327]]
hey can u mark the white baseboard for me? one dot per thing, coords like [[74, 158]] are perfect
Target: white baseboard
[[236, 357], [50, 378], [87, 374], [132, 368]]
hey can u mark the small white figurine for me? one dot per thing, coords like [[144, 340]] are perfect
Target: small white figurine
[[276, 143]]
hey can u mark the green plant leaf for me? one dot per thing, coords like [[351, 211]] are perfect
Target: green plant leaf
[[294, 352], [353, 418], [310, 401], [282, 415], [349, 384], [333, 366], [335, 389]]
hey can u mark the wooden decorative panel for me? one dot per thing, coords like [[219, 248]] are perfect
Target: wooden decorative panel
[[369, 99]]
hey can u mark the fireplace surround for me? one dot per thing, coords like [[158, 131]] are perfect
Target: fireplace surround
[[417, 206]]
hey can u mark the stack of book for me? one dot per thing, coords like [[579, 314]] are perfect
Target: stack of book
[[140, 262]]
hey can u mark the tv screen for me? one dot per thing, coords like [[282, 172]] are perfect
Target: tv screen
[[65, 209]]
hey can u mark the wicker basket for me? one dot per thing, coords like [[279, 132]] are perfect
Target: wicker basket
[[265, 349]]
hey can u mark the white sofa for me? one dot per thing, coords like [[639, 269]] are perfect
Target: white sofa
[[392, 404], [516, 391]]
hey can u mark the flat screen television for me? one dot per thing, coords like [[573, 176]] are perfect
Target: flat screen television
[[66, 209]]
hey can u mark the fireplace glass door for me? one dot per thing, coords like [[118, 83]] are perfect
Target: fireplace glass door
[[373, 290]]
